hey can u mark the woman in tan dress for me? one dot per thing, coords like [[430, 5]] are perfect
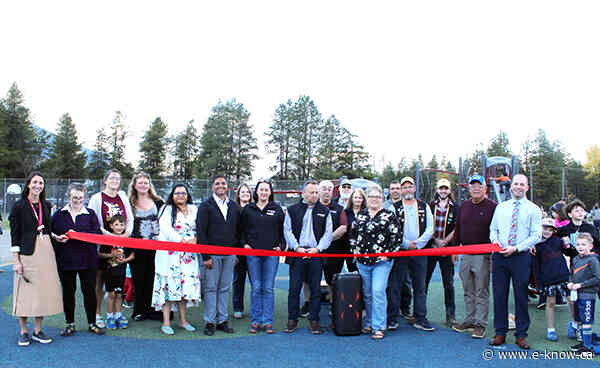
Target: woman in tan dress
[[36, 287]]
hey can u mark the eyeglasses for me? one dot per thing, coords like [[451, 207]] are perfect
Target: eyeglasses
[[76, 198], [180, 193], [374, 196], [346, 186]]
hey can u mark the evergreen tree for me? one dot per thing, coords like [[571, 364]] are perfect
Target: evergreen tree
[[499, 146], [100, 159], [279, 141], [117, 135], [327, 163], [228, 143], [353, 160], [154, 148], [306, 125], [66, 158], [23, 144], [185, 152]]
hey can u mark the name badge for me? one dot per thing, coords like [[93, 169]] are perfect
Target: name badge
[[321, 214], [270, 213]]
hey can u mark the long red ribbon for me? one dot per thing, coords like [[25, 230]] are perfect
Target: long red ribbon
[[219, 250]]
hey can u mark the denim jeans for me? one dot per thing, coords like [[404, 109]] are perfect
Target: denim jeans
[[417, 268], [375, 279], [262, 271], [301, 269]]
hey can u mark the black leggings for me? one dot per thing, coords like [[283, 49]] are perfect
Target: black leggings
[[87, 281], [142, 273]]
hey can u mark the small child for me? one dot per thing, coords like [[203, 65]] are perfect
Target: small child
[[114, 276], [584, 284], [552, 272]]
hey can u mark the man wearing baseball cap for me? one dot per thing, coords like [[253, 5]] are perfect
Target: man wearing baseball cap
[[415, 219], [345, 192], [444, 217], [473, 227]]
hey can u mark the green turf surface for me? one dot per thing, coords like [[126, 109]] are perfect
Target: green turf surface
[[436, 314]]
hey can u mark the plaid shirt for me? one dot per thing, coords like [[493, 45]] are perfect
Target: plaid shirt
[[440, 221]]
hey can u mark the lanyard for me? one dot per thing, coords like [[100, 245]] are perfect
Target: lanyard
[[38, 217]]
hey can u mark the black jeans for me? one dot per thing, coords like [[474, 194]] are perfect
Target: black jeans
[[404, 267], [447, 269], [87, 281], [300, 269], [142, 274], [331, 266], [239, 282]]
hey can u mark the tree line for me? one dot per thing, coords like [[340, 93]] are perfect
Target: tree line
[[305, 145]]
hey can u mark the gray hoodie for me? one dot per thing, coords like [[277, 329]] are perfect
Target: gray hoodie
[[586, 270]]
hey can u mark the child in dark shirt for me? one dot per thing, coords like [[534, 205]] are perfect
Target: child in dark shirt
[[552, 272], [584, 284], [114, 276]]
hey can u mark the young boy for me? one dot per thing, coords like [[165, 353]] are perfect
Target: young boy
[[585, 280], [576, 212], [117, 259]]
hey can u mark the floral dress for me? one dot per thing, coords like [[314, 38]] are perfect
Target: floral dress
[[176, 276]]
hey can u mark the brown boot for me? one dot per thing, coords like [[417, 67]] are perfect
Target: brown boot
[[497, 340]]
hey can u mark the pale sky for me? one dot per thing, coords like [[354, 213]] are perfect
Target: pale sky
[[407, 77]]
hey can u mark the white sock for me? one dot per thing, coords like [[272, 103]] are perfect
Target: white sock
[[551, 330], [117, 315], [110, 315]]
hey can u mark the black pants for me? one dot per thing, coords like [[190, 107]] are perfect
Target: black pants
[[87, 281], [331, 266], [447, 270], [299, 270], [239, 281], [142, 274]]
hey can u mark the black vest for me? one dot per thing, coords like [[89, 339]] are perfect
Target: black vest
[[335, 211], [421, 214], [319, 219]]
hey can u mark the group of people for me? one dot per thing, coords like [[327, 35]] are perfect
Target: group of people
[[354, 223]]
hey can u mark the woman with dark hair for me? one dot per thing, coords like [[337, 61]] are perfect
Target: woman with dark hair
[[145, 204], [176, 277], [243, 197], [107, 203], [75, 257], [261, 227], [36, 286]]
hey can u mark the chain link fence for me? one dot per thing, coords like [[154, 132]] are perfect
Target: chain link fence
[[286, 191]]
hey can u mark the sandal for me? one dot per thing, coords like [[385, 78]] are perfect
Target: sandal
[[69, 330], [254, 328], [269, 329], [366, 330], [378, 335], [95, 330]]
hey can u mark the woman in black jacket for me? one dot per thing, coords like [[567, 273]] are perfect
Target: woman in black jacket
[[261, 227], [36, 286], [145, 205]]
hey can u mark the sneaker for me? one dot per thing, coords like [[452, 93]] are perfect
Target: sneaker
[[24, 339], [577, 346], [478, 332], [462, 327], [111, 324], [551, 336], [127, 305], [225, 327], [314, 328], [584, 351], [122, 322], [238, 315], [541, 305], [393, 326], [450, 321], [424, 326], [571, 331], [100, 321], [41, 337], [406, 314], [305, 310], [209, 329]]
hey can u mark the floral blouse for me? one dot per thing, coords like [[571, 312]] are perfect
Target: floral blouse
[[379, 234]]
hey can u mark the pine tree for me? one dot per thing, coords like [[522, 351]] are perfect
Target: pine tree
[[228, 143], [185, 152], [279, 141], [66, 158], [306, 125], [100, 159], [117, 135], [154, 148], [23, 144], [499, 146]]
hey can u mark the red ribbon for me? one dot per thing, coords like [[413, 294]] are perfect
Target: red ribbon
[[219, 250]]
